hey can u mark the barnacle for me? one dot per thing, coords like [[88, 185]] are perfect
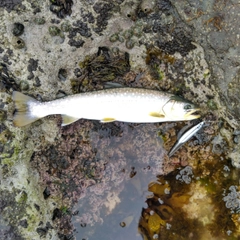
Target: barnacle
[[130, 44], [128, 34], [232, 199], [129, 10], [65, 27], [18, 29], [185, 175], [114, 37], [137, 31], [24, 85], [54, 30], [147, 6], [39, 20], [18, 43]]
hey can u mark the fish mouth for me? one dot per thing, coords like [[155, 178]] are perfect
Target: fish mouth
[[193, 114]]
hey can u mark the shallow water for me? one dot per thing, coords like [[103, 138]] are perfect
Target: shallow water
[[136, 185], [133, 159]]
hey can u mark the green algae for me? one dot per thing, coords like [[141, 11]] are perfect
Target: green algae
[[22, 197], [212, 105], [64, 210], [11, 160]]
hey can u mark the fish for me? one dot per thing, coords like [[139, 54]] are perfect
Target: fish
[[136, 105], [185, 137]]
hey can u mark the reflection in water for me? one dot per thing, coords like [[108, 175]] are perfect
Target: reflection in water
[[112, 208]]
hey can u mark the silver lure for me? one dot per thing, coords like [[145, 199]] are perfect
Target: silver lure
[[185, 137]]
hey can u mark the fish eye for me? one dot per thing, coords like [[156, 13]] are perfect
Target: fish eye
[[188, 106]]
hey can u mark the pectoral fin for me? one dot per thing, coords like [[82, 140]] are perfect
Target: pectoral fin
[[105, 120], [68, 119], [157, 115]]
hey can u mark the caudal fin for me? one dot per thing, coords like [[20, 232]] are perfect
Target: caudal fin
[[23, 115]]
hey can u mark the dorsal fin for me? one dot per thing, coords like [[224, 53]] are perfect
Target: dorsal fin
[[109, 85]]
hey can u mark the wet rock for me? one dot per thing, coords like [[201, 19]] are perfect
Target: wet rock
[[7, 79], [83, 159], [219, 41], [56, 214], [37, 82], [180, 43], [11, 5], [3, 115], [33, 64], [42, 232], [164, 5], [23, 223]]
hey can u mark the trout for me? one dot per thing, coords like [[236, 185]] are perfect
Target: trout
[[134, 105]]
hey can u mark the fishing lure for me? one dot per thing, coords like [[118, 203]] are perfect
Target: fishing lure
[[185, 137]]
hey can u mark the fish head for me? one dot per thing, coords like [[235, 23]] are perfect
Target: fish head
[[179, 109]]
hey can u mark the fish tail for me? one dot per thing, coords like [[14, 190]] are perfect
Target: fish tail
[[23, 115]]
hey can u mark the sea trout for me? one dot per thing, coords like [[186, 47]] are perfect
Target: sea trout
[[117, 104]]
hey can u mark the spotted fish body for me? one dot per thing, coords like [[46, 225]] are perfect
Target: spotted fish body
[[119, 104]]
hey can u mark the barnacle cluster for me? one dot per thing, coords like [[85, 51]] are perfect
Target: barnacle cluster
[[232, 199], [185, 175], [61, 8]]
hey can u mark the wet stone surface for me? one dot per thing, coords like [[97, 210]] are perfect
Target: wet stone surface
[[97, 181]]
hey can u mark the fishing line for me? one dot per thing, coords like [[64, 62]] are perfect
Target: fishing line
[[164, 106]]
